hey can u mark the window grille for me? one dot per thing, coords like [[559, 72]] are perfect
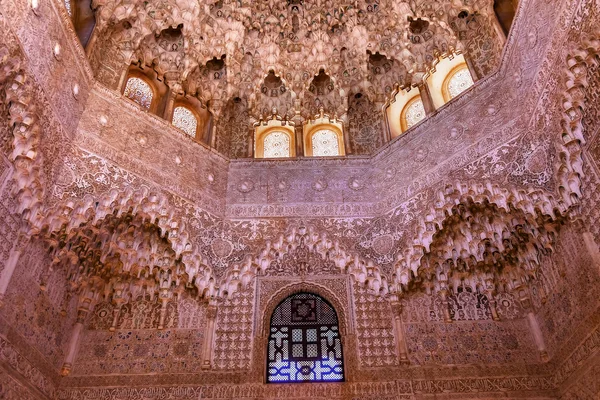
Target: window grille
[[415, 112], [304, 341], [185, 120], [276, 145], [460, 81], [68, 6], [325, 143], [139, 91]]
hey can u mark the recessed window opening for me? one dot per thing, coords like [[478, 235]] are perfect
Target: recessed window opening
[[139, 91], [304, 341], [325, 143], [277, 145], [185, 120]]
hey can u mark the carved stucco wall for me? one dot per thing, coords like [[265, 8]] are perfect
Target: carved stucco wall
[[572, 267], [36, 326], [136, 346], [36, 314], [106, 156]]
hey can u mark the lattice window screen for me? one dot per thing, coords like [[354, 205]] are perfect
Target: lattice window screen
[[415, 113], [304, 341], [276, 145], [325, 143], [139, 91], [185, 120], [459, 82]]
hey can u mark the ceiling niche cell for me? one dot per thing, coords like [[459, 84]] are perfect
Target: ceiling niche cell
[[321, 85], [322, 94], [274, 97], [385, 74]]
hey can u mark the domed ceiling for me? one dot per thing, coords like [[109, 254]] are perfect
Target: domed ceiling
[[292, 58], [144, 261]]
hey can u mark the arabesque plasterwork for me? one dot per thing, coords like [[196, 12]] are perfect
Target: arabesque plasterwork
[[461, 257]]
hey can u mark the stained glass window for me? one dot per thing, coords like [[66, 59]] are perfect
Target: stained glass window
[[276, 145], [460, 81], [304, 341], [185, 120], [414, 113], [139, 91], [325, 143]]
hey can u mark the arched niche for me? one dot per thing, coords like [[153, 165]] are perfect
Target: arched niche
[[198, 111], [159, 89], [324, 137], [274, 139], [438, 77], [304, 342], [397, 110]]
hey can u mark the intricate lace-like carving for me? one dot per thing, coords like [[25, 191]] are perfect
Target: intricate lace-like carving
[[277, 145], [460, 81], [302, 261], [68, 7], [233, 344], [139, 91], [185, 120], [374, 331], [469, 306], [139, 314], [325, 143], [415, 113]]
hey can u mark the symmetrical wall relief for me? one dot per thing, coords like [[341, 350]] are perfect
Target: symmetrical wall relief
[[138, 292], [137, 342], [232, 130], [364, 125]]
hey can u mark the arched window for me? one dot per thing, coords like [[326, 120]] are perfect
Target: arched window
[[274, 139], [276, 145], [185, 120], [412, 113], [457, 82], [448, 77], [139, 91], [304, 341], [325, 143]]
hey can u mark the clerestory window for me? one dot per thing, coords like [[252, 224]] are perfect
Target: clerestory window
[[139, 91], [277, 145], [185, 120], [325, 143], [413, 113], [459, 81]]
